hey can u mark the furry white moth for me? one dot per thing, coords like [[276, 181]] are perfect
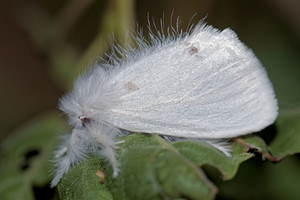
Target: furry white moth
[[201, 84]]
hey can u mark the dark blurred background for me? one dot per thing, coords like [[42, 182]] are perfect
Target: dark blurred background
[[28, 86], [44, 44]]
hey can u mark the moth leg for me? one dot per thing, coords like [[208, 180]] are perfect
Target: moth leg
[[114, 146], [105, 137], [109, 153], [120, 142], [60, 152]]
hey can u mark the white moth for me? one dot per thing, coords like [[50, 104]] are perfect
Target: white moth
[[202, 84]]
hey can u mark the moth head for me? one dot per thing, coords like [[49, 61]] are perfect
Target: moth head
[[86, 102], [78, 115], [84, 120]]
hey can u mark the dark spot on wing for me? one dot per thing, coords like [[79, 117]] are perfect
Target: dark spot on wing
[[187, 44], [131, 86], [193, 50]]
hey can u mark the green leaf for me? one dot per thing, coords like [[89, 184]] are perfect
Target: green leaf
[[151, 168], [83, 183], [287, 140], [27, 152], [201, 154]]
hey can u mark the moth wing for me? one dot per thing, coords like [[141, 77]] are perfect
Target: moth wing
[[205, 85]]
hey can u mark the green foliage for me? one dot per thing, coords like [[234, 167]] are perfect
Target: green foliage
[[150, 168], [83, 182], [288, 134], [27, 154]]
